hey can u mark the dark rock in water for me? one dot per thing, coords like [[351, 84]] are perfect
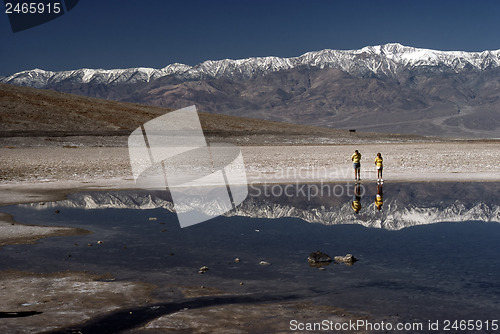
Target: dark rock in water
[[349, 259], [319, 257]]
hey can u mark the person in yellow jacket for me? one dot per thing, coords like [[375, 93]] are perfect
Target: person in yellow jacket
[[379, 162], [356, 163]]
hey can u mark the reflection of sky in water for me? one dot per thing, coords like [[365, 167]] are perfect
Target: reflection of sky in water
[[431, 271]]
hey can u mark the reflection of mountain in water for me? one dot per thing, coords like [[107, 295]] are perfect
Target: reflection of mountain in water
[[394, 218], [405, 204]]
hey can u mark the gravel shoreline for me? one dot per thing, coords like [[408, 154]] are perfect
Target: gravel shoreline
[[436, 161]]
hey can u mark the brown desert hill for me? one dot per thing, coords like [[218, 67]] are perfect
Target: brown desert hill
[[31, 112]]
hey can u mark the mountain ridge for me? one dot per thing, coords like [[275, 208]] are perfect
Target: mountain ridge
[[380, 59], [387, 88]]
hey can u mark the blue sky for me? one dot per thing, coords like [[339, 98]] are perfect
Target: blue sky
[[154, 33]]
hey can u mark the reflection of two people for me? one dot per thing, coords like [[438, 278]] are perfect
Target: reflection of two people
[[356, 198]]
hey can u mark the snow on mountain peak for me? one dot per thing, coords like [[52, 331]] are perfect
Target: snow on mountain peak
[[384, 59]]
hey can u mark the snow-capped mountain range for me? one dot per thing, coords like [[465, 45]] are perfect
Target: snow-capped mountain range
[[388, 88], [382, 60]]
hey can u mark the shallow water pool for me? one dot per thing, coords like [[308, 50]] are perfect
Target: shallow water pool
[[430, 253]]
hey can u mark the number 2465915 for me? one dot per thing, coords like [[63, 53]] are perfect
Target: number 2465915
[[33, 8], [470, 325]]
